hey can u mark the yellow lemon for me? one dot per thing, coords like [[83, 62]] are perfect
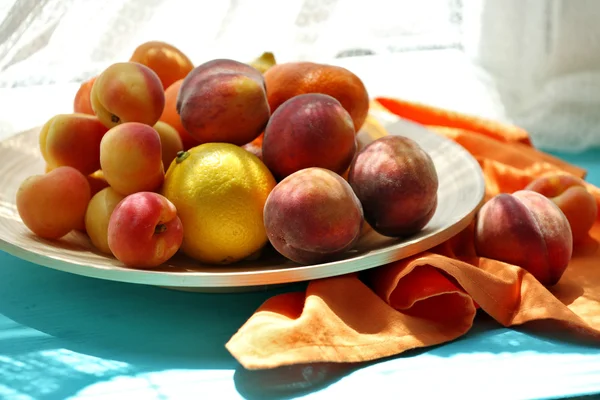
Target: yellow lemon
[[220, 191]]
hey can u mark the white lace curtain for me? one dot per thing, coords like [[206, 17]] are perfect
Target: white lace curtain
[[533, 62]]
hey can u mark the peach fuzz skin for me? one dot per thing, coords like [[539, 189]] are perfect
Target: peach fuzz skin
[[397, 183], [127, 92], [72, 140], [97, 216], [570, 195], [528, 230], [144, 230], [131, 158], [53, 204], [223, 101], [309, 130], [312, 216]]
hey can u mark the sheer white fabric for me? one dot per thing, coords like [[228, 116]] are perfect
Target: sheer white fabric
[[544, 56], [534, 62]]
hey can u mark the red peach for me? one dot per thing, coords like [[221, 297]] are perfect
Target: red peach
[[528, 230], [223, 101], [144, 230], [396, 182], [309, 130], [312, 216]]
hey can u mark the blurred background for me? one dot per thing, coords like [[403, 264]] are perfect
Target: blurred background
[[535, 63]]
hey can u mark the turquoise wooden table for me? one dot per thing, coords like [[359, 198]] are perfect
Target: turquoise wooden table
[[64, 336]]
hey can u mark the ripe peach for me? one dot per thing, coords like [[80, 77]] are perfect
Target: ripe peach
[[53, 204], [98, 215], [571, 196], [309, 130], [170, 142], [131, 158], [169, 63], [127, 92], [223, 101], [144, 230], [525, 229], [312, 216], [72, 140], [82, 102], [171, 117], [396, 182]]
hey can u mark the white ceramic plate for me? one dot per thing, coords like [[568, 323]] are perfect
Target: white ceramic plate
[[460, 194]]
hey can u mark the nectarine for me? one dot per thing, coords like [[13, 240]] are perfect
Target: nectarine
[[312, 216], [396, 182], [526, 229]]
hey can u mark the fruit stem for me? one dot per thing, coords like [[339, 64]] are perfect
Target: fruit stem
[[160, 228], [115, 119], [181, 155]]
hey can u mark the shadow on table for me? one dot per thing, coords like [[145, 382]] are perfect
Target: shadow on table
[[62, 333]]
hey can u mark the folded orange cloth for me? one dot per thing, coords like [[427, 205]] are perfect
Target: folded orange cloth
[[432, 297]]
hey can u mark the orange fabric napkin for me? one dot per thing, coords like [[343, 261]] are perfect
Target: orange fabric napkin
[[432, 297]]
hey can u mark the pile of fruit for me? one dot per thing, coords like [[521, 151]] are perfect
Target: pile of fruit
[[220, 159]]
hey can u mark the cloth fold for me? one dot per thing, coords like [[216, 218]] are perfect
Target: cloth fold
[[432, 297]]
